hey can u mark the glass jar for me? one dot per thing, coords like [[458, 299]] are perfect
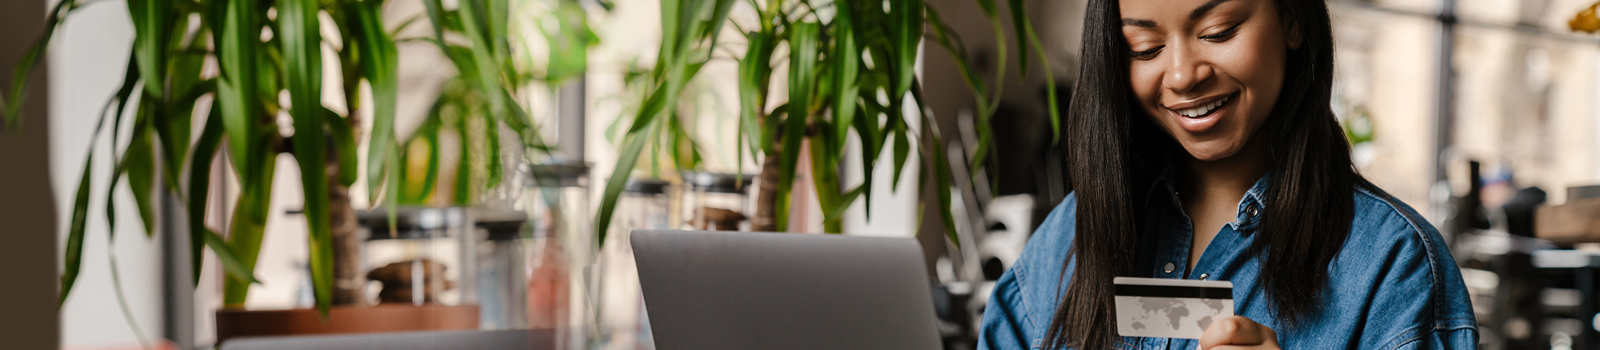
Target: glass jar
[[716, 201], [644, 205], [502, 269], [561, 249], [426, 258]]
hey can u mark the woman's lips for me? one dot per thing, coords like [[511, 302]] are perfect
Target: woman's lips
[[1206, 120]]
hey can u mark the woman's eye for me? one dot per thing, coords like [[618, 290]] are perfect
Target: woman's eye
[[1223, 35], [1147, 54]]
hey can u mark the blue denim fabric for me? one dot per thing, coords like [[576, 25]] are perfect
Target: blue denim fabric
[[1393, 285]]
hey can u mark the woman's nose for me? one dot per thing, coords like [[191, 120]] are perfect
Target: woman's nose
[[1188, 68]]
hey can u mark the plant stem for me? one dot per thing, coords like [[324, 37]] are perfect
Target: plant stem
[[348, 280], [766, 216], [347, 277]]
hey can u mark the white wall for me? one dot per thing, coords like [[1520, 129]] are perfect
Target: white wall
[[86, 64]]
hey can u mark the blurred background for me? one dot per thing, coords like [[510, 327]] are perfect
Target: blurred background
[[1482, 114]]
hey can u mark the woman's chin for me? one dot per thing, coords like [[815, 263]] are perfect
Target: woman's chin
[[1214, 150]]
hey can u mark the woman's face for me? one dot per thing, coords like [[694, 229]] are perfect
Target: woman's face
[[1206, 71]]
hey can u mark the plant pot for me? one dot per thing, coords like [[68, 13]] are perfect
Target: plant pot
[[344, 319]]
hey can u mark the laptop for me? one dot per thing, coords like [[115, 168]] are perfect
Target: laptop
[[742, 290]]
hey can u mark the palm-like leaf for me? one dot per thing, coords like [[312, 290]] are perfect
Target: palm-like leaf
[[166, 76], [838, 69]]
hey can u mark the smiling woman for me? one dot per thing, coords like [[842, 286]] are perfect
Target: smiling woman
[[1186, 65], [1203, 147]]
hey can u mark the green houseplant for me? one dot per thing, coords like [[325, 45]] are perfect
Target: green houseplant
[[850, 67], [262, 49]]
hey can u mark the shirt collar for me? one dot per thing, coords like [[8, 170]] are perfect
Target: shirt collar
[[1251, 206]]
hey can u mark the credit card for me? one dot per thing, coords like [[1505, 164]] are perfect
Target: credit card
[[1170, 308]]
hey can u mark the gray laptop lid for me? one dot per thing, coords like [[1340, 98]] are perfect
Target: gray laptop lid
[[720, 290]]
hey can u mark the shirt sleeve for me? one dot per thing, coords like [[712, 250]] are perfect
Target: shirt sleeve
[[1004, 317], [1007, 323], [1419, 300]]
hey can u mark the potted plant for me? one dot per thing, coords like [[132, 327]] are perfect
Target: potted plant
[[848, 73], [262, 49]]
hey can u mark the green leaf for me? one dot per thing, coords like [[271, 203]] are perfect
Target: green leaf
[[391, 198], [825, 179], [139, 165], [902, 151], [172, 129], [230, 261], [619, 179], [12, 114], [73, 255], [250, 215], [186, 86], [237, 92], [673, 25], [150, 27], [80, 212], [719, 16], [199, 182], [496, 167], [405, 23], [250, 72], [802, 72], [983, 124], [653, 105], [131, 156], [200, 186], [905, 17], [940, 169], [463, 191], [844, 60], [436, 16], [478, 29], [569, 42], [755, 72], [499, 16], [836, 212], [301, 40], [429, 134], [685, 152], [1021, 23], [1050, 84], [872, 139], [344, 146], [987, 6], [380, 66]]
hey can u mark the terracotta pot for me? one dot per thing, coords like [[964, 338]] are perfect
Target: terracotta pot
[[345, 319]]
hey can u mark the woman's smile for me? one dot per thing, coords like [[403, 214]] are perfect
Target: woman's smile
[[1202, 114]]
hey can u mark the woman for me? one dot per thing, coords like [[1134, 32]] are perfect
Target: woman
[[1203, 147]]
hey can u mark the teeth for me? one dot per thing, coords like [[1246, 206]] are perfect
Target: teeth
[[1202, 110]]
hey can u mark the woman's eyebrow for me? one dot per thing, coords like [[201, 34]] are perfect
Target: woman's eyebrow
[[1201, 11], [1138, 22]]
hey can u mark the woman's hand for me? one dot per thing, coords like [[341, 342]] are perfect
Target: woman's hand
[[1238, 333]]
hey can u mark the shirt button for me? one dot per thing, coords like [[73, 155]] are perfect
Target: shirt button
[[1251, 210], [1204, 276], [1169, 268]]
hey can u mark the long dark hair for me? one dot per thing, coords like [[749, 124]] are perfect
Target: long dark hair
[[1114, 149]]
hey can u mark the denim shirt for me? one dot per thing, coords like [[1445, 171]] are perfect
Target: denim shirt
[[1393, 285]]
